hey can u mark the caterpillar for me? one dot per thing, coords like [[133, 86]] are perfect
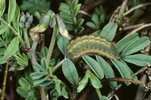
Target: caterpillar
[[92, 44]]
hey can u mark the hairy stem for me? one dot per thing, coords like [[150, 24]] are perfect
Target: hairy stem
[[4, 82]]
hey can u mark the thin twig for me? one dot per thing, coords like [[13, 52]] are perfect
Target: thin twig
[[111, 94], [132, 27], [140, 28], [136, 7], [4, 82], [139, 71], [58, 65], [137, 82]]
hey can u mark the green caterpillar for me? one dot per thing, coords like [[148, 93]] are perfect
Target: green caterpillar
[[92, 44]]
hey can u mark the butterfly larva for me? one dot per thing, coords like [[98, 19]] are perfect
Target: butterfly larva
[[92, 44]]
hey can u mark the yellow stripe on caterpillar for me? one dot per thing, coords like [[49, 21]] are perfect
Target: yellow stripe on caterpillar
[[92, 44]]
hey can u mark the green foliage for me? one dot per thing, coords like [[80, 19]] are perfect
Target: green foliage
[[107, 69], [69, 12], [12, 48], [138, 59], [26, 88], [22, 60], [139, 44], [36, 66], [98, 17], [2, 7], [103, 98], [109, 31], [123, 43], [70, 72], [62, 44], [93, 79], [122, 68], [11, 10], [95, 67], [41, 76], [35, 5]]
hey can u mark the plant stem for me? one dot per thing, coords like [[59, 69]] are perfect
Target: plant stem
[[14, 31], [132, 27], [58, 65], [98, 93], [26, 38], [51, 46], [4, 82], [42, 90], [32, 53]]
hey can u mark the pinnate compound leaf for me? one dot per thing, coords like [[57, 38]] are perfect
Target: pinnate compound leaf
[[122, 68], [70, 72], [12, 48], [47, 84], [95, 67], [40, 80], [107, 69], [37, 75], [22, 91], [127, 40], [109, 31], [24, 83], [136, 46], [39, 67], [138, 59]]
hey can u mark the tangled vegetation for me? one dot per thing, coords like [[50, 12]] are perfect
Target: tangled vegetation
[[74, 49]]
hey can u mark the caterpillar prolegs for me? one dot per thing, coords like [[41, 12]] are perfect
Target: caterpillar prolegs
[[92, 44]]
